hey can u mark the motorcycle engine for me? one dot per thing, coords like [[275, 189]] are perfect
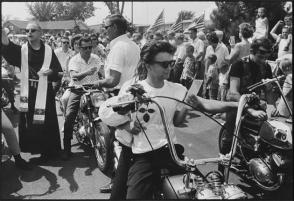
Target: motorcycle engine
[[265, 172], [194, 186]]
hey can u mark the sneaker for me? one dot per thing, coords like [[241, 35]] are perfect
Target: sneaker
[[106, 188], [22, 164]]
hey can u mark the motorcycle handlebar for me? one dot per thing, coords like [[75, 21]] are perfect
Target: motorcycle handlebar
[[84, 88], [265, 81], [184, 163]]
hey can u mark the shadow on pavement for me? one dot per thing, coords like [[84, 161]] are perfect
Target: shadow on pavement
[[11, 181]]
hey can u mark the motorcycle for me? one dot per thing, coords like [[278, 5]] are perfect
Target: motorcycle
[[261, 151], [89, 130], [191, 183]]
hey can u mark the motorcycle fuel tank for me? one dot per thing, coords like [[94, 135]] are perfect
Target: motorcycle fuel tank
[[277, 133]]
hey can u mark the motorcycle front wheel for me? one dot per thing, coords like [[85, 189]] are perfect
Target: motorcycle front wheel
[[102, 147]]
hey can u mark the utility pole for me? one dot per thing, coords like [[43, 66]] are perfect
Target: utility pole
[[132, 11]]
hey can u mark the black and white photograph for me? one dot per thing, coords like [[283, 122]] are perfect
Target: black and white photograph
[[146, 100]]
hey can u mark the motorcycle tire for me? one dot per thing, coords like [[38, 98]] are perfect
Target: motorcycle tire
[[221, 137], [103, 146]]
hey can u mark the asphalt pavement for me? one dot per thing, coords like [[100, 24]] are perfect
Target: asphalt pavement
[[79, 178]]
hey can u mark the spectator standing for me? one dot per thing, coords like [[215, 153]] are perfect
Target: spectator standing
[[137, 39], [179, 57], [283, 41], [158, 36], [212, 77], [171, 38], [198, 49], [189, 68], [74, 43], [38, 124], [261, 24], [97, 48], [120, 66], [64, 54], [242, 48], [221, 51]]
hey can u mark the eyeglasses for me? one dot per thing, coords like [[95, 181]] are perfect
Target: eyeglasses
[[106, 27], [86, 48], [165, 64], [31, 30], [264, 51], [65, 42]]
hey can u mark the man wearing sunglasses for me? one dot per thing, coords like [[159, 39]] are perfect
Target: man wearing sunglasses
[[245, 72], [38, 125], [64, 54], [83, 69], [122, 60]]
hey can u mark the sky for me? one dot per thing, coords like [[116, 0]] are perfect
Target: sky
[[143, 12]]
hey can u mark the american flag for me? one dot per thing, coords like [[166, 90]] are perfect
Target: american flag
[[199, 22], [159, 21], [177, 26]]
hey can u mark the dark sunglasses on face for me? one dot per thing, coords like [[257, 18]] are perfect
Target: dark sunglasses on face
[[87, 47], [165, 64], [31, 30], [263, 51], [65, 42]]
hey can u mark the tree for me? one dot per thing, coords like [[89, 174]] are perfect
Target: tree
[[185, 15], [42, 11], [5, 18], [45, 11], [114, 7], [229, 15]]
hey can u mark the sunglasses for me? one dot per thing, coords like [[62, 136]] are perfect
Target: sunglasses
[[165, 64], [31, 30], [264, 51], [86, 48], [106, 27], [65, 42]]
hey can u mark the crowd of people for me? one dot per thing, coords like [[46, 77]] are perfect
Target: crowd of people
[[163, 64]]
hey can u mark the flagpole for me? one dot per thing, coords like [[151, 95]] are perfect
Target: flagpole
[[163, 23], [132, 12]]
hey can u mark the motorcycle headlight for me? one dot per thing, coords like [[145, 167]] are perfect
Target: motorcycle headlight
[[281, 135], [98, 98]]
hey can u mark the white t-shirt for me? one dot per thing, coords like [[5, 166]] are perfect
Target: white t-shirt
[[281, 51], [155, 129], [221, 51], [260, 27], [123, 57], [78, 64], [180, 52], [63, 57], [198, 45]]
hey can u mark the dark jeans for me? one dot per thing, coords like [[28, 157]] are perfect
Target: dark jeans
[[144, 174], [119, 188], [71, 114], [187, 82]]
